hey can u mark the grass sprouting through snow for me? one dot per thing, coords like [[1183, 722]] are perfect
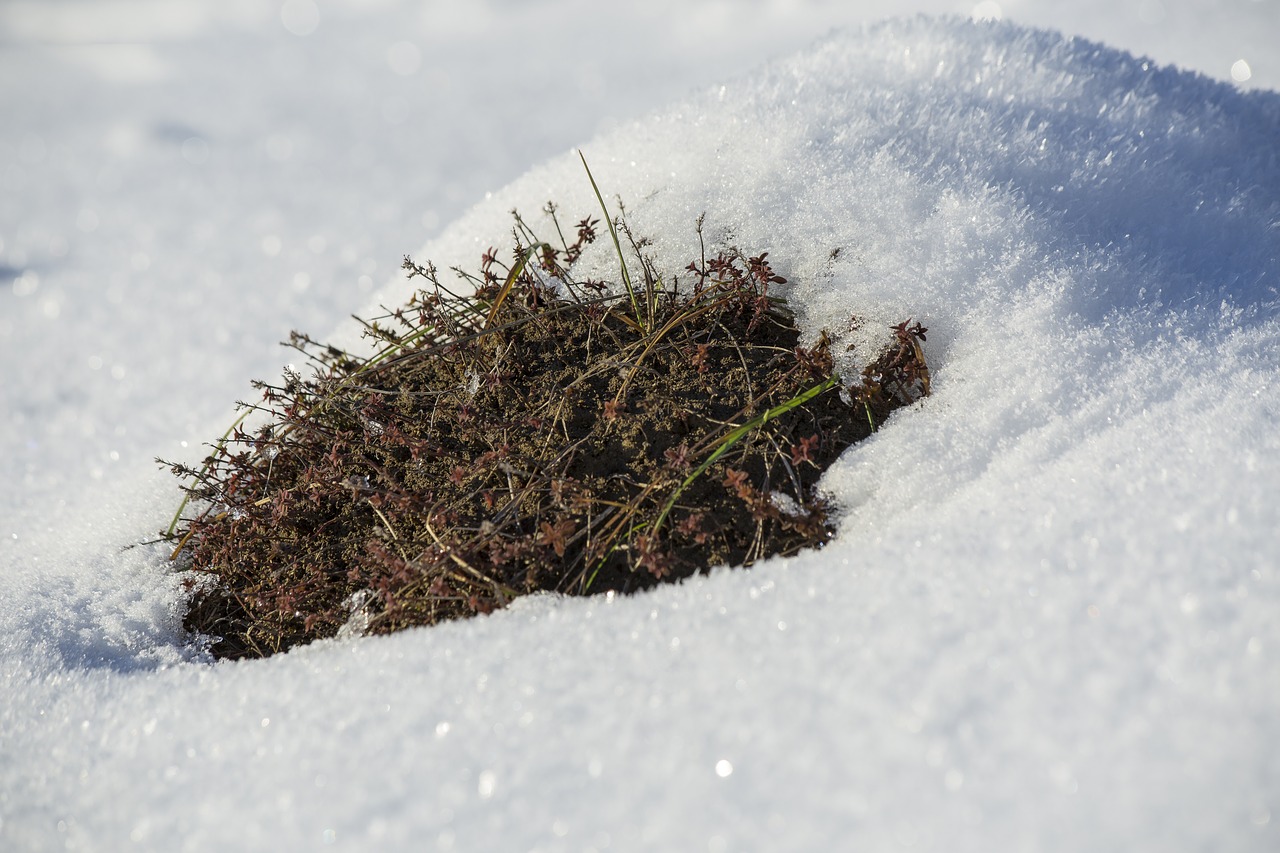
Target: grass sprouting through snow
[[537, 433]]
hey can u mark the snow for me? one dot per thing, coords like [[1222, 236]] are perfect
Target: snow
[[1049, 621]]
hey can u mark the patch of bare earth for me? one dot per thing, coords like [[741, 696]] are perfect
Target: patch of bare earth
[[537, 434]]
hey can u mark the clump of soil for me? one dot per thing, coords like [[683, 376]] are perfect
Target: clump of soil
[[538, 434]]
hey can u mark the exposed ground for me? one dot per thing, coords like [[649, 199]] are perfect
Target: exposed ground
[[536, 434]]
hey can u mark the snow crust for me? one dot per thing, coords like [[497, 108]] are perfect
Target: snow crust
[[1049, 621]]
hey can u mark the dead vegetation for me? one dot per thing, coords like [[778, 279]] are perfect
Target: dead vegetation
[[537, 432]]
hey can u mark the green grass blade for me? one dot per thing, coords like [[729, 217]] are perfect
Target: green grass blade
[[737, 433], [617, 244]]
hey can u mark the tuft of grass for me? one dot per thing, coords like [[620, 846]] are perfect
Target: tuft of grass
[[531, 431]]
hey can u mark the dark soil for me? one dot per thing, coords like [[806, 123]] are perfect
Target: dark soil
[[538, 435]]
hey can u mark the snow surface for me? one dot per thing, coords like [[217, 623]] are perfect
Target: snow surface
[[1049, 621]]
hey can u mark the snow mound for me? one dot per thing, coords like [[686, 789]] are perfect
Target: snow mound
[[1050, 618]]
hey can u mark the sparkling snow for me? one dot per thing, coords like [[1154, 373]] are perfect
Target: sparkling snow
[[1051, 619]]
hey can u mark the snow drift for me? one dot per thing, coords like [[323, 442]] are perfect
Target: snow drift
[[1049, 620]]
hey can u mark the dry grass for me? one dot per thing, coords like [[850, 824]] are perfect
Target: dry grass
[[534, 434]]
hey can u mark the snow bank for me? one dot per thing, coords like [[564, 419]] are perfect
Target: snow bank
[[1049, 621]]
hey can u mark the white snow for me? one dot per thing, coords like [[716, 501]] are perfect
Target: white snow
[[1051, 618]]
